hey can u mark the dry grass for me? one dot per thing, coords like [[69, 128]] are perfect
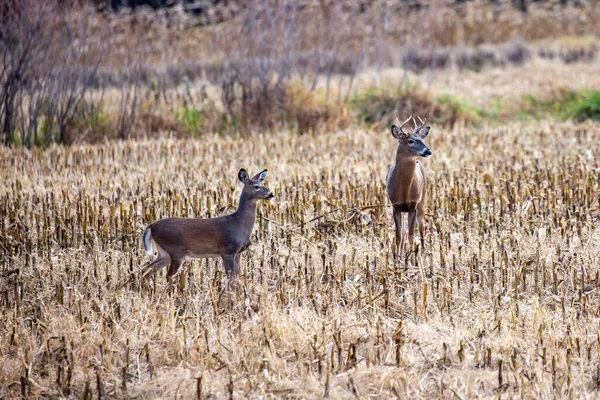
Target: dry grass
[[501, 302], [542, 78]]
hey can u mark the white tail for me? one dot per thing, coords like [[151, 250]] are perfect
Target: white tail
[[177, 239], [147, 241], [407, 181]]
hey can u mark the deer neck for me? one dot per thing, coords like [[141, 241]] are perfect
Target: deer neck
[[246, 213], [404, 173]]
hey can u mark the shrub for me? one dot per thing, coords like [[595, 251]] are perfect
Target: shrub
[[309, 111], [377, 106], [190, 119], [581, 54], [454, 109], [418, 59], [516, 52], [477, 59], [567, 104], [584, 106]]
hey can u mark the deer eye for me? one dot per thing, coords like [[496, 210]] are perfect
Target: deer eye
[[255, 187], [411, 141]]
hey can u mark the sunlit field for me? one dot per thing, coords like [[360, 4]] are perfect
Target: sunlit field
[[502, 300], [115, 114]]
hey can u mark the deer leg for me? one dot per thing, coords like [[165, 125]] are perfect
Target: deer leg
[[411, 226], [420, 225], [237, 267], [420, 212], [399, 232], [161, 261], [229, 264], [175, 265]]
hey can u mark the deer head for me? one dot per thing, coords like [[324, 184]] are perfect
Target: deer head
[[411, 142], [254, 187]]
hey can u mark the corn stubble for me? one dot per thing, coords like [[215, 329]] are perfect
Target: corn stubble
[[502, 300]]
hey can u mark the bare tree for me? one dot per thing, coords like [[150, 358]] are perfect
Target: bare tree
[[48, 66], [22, 44], [129, 101]]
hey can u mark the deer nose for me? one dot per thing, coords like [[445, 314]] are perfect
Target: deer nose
[[426, 153], [270, 196]]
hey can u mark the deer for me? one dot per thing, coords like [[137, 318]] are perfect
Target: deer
[[406, 180], [178, 239]]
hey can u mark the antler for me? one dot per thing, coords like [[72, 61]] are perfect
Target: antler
[[400, 125], [417, 127]]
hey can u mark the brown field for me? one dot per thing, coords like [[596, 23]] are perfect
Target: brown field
[[501, 302]]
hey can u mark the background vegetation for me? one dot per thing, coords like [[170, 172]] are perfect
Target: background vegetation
[[75, 72], [112, 119]]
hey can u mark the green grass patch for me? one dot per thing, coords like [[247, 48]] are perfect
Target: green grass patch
[[190, 119], [569, 104], [465, 111], [583, 105]]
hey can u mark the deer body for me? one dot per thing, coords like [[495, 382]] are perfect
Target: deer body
[[177, 239], [407, 181], [406, 184]]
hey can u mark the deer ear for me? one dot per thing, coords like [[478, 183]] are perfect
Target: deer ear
[[243, 175], [396, 132], [423, 131], [261, 176]]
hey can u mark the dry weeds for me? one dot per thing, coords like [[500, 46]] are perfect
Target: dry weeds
[[501, 302], [171, 37]]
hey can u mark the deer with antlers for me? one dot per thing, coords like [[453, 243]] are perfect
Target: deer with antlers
[[406, 180], [177, 239]]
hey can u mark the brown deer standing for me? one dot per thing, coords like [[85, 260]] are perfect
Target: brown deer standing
[[406, 181], [177, 239]]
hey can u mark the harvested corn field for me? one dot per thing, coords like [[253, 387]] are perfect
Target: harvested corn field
[[500, 302]]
